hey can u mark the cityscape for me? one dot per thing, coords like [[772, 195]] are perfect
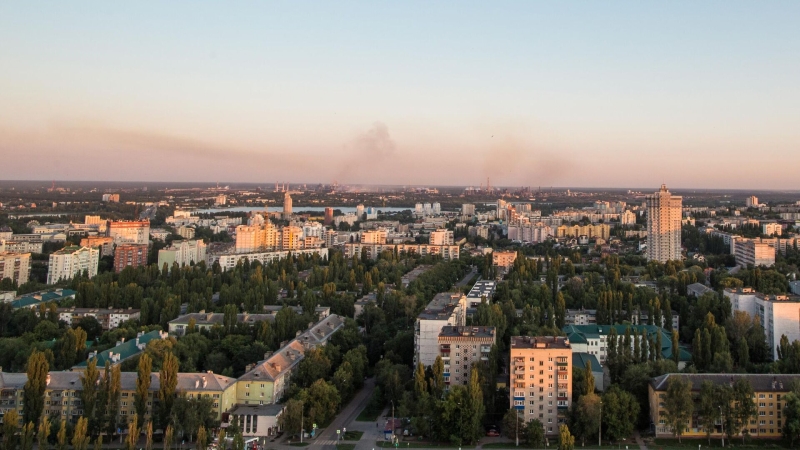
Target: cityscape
[[355, 226]]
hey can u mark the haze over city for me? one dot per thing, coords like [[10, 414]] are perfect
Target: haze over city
[[595, 94]]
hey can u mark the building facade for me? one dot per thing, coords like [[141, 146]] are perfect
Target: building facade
[[129, 255], [108, 318], [664, 226], [130, 232], [182, 252], [70, 261], [16, 266], [461, 347], [778, 314], [445, 309], [541, 379], [106, 244]]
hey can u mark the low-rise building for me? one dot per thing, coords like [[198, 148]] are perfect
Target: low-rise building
[[594, 340], [123, 350], [447, 252], [541, 379], [227, 261], [33, 300], [206, 321], [504, 259], [769, 397], [108, 318], [480, 291], [755, 252], [462, 346]]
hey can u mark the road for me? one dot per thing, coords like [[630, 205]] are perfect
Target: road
[[468, 277], [346, 418]]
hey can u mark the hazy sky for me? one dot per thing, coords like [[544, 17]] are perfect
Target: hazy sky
[[616, 94]]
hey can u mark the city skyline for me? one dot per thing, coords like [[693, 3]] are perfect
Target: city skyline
[[622, 95]]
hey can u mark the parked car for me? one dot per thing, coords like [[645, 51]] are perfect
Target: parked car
[[492, 433]]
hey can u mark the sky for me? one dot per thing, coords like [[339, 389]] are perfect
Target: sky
[[527, 93]]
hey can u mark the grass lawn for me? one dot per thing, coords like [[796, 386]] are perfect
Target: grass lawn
[[352, 435], [346, 447], [384, 444]]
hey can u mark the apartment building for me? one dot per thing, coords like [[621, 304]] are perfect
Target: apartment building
[[183, 253], [482, 289], [769, 396], [441, 237], [594, 340], [129, 255], [541, 379], [70, 261], [447, 252], [664, 213], [105, 243], [130, 232], [754, 252], [461, 347], [107, 317], [291, 238], [16, 266], [228, 261], [374, 237], [778, 314], [186, 231], [504, 259], [446, 309], [206, 321], [602, 231]]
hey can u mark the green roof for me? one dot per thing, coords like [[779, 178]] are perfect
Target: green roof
[[125, 349], [580, 333], [29, 300], [579, 361]]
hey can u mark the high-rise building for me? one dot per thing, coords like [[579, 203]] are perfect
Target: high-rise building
[[664, 226], [106, 244], [328, 216], [133, 255], [442, 237], [777, 313], [460, 348], [70, 261], [291, 238], [541, 384], [751, 202], [287, 206], [360, 212], [467, 209], [182, 252], [16, 266], [130, 232]]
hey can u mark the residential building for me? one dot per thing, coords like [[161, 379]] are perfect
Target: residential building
[[594, 231], [504, 259], [266, 382], [105, 243], [769, 396], [751, 202], [130, 232], [778, 314], [287, 206], [697, 290], [129, 255], [183, 253], [113, 198], [122, 350], [206, 321], [447, 252], [360, 211], [33, 300], [291, 238], [480, 291], [186, 232], [328, 220], [227, 261], [70, 261], [541, 379], [374, 237], [446, 309], [442, 237], [663, 226], [467, 209], [460, 347], [581, 360], [16, 266], [594, 339], [627, 218], [108, 318], [771, 228], [20, 246], [159, 233], [754, 252]]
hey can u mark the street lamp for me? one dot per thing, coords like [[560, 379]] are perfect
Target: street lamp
[[722, 422], [600, 427]]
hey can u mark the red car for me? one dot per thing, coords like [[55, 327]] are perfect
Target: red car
[[492, 433]]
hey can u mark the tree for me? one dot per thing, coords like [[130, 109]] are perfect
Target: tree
[[534, 433], [10, 425], [709, 409], [133, 434], [43, 433], [513, 424], [475, 408], [678, 404], [143, 377], [676, 349], [791, 414], [588, 378], [61, 437], [169, 434], [33, 392], [238, 441], [566, 441], [322, 401], [620, 413], [202, 439], [80, 437], [744, 408], [420, 383], [291, 418], [148, 436], [27, 436], [89, 381], [168, 381], [437, 381], [112, 385], [586, 416], [98, 443]]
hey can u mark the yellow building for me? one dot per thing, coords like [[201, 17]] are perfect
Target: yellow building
[[594, 231], [540, 379], [504, 259], [769, 390]]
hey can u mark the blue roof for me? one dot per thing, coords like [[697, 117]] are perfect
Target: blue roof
[[579, 360]]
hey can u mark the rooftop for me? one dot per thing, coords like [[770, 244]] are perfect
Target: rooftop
[[539, 342], [482, 288], [580, 360], [760, 382], [476, 332], [124, 350], [35, 298]]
